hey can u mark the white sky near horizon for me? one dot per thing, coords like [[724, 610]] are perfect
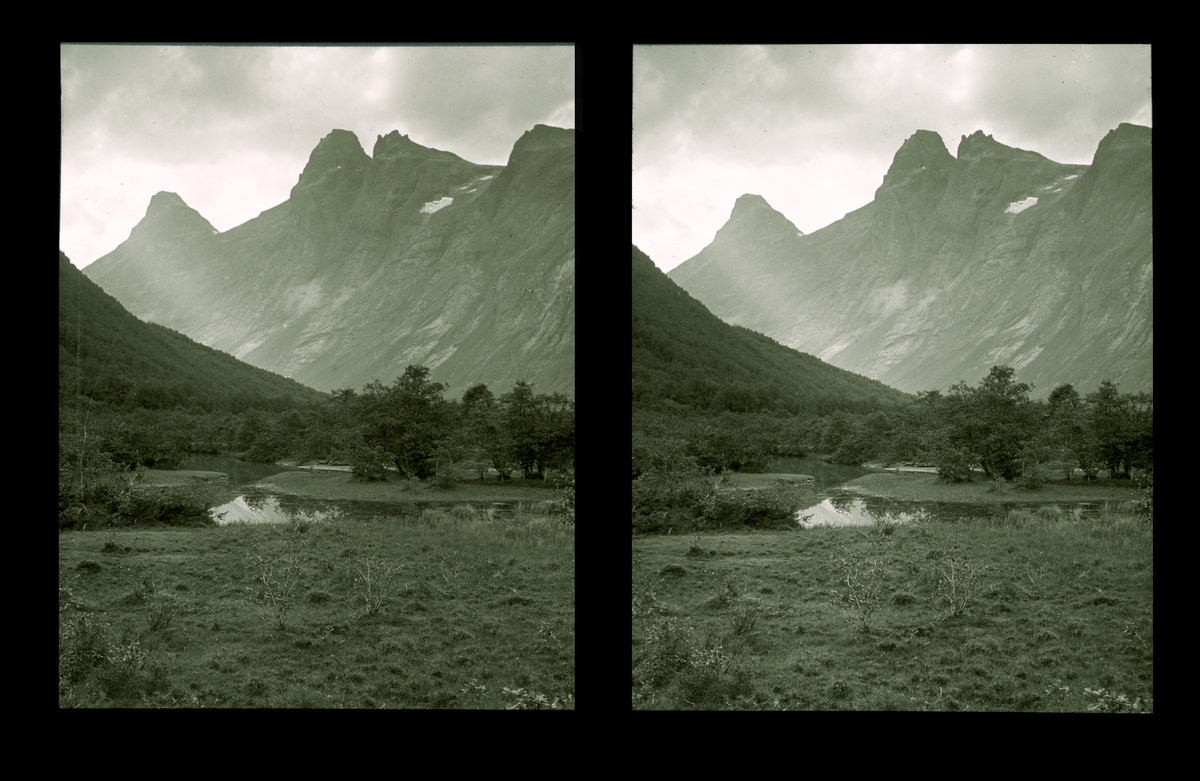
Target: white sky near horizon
[[230, 128], [813, 129]]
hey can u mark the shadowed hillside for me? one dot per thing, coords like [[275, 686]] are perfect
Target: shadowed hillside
[[684, 353], [108, 355]]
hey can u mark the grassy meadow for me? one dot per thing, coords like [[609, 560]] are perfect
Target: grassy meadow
[[436, 608], [1035, 609]]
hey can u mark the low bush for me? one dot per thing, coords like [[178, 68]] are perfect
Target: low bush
[[369, 463], [444, 479]]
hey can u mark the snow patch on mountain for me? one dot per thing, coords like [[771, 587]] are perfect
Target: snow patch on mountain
[[432, 206], [1016, 207]]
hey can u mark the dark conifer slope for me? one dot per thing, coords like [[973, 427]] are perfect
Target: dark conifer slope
[[107, 354], [684, 353]]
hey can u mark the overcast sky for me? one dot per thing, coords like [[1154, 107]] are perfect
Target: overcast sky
[[813, 129], [230, 128]]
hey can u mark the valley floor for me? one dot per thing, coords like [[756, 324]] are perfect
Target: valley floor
[[434, 609], [1031, 610]]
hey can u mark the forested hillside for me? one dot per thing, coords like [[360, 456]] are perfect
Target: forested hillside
[[683, 352], [107, 355]]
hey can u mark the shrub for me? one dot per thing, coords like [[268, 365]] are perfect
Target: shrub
[[275, 580], [563, 505], [954, 464], [374, 583], [667, 653], [774, 505], [1144, 505], [369, 463], [444, 479], [1030, 480]]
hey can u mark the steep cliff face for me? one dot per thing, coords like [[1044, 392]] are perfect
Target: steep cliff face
[[409, 256], [998, 256]]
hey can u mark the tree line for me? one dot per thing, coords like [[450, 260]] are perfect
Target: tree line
[[994, 428]]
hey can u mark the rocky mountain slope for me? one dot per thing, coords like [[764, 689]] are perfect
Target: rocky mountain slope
[[994, 256], [408, 256]]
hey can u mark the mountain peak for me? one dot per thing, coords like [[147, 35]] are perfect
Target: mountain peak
[[748, 202], [979, 145], [395, 145], [1126, 136], [545, 137], [168, 216], [338, 150], [922, 155], [163, 200], [753, 217]]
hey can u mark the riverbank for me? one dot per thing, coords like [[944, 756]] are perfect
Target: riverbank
[[181, 476], [918, 487], [340, 485], [765, 479]]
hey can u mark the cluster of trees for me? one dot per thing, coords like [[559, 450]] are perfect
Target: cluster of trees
[[411, 427], [997, 429]]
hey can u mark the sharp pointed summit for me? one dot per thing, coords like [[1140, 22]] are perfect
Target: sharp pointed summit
[[168, 218]]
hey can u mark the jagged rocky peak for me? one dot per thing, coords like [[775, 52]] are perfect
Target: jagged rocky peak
[[340, 150], [922, 154], [923, 148], [979, 145], [395, 145]]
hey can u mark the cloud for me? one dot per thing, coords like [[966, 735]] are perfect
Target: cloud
[[230, 128], [814, 128]]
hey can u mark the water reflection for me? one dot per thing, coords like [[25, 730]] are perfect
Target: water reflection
[[850, 510], [844, 508], [266, 509], [260, 507]]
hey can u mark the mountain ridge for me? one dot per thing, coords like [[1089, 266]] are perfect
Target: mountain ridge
[[413, 255], [999, 256]]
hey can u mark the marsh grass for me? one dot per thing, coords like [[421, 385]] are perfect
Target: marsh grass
[[1044, 610], [439, 609]]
